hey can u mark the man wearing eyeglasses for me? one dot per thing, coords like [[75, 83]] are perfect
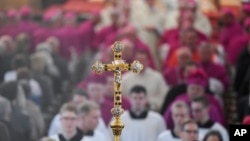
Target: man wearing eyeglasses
[[189, 131], [200, 111], [68, 118]]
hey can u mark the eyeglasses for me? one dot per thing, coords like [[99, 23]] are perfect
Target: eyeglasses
[[191, 131], [69, 118], [197, 110]]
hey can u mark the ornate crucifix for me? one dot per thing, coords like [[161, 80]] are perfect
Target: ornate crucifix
[[117, 66]]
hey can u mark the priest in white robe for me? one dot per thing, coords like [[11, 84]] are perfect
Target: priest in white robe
[[140, 123], [149, 22], [201, 22], [152, 80]]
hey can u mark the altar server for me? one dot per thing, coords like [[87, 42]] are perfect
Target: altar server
[[141, 124], [179, 113], [68, 120], [89, 115], [200, 110]]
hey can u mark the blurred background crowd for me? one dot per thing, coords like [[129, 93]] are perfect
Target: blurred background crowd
[[196, 57]]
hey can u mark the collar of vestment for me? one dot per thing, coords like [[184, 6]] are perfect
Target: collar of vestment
[[207, 124], [77, 137], [89, 133], [143, 115], [173, 134]]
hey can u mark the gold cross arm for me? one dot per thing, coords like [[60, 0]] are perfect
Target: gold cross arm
[[118, 63], [117, 66]]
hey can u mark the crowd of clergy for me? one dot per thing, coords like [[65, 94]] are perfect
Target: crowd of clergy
[[192, 60]]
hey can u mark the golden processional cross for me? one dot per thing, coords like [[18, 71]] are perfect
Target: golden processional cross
[[117, 66]]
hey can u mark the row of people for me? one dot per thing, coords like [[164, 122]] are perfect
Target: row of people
[[136, 120], [188, 37], [80, 36]]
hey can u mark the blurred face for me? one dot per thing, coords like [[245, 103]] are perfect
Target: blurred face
[[143, 58], [54, 43], [213, 138], [97, 19], [113, 2], [179, 115], [187, 8], [69, 21], [115, 18], [91, 120], [57, 22], [199, 111], [128, 52], [138, 101], [189, 39], [110, 55], [69, 121], [150, 2], [227, 19], [78, 99], [95, 92], [205, 54], [126, 11], [184, 58], [110, 86], [189, 69], [195, 90], [9, 42], [190, 132], [186, 20]]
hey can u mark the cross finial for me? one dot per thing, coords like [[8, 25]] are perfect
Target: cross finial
[[117, 66]]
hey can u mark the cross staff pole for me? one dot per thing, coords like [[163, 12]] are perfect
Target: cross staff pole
[[117, 66]]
